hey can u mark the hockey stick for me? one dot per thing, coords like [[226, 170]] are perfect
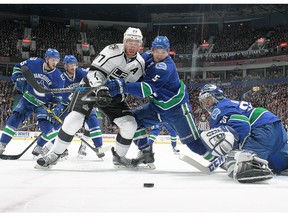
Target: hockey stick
[[61, 122], [39, 88], [15, 157], [204, 169], [26, 126]]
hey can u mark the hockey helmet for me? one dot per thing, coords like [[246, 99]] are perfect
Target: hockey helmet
[[161, 42], [70, 59], [52, 53], [133, 33]]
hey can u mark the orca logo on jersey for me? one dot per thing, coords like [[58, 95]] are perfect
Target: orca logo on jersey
[[161, 66], [215, 113]]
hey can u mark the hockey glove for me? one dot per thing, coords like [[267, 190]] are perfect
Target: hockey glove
[[116, 86], [101, 96], [20, 82], [219, 141], [57, 109]]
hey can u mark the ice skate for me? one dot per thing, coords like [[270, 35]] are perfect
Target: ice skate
[[2, 148], [64, 155], [44, 151], [176, 150], [99, 153], [37, 150], [145, 156], [120, 162], [82, 150], [284, 172], [49, 160]]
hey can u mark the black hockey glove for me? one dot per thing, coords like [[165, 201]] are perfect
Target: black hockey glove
[[101, 96]]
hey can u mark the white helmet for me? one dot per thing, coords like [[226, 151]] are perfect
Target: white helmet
[[133, 33]]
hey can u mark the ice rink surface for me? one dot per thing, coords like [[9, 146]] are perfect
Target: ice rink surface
[[92, 185]]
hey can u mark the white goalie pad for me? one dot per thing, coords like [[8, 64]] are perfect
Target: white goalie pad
[[219, 141], [247, 167]]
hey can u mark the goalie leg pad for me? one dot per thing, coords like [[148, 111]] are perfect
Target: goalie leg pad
[[247, 167]]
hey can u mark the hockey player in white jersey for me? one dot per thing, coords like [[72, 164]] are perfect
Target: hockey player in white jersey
[[114, 61]]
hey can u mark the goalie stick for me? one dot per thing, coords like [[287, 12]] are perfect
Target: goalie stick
[[39, 88], [16, 157], [204, 169]]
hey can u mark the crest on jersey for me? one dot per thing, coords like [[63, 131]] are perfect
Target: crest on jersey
[[118, 73], [215, 113], [113, 46], [161, 66]]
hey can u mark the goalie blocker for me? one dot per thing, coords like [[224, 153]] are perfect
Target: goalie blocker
[[241, 165]]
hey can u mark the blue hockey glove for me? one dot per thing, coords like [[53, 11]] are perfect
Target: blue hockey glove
[[21, 86], [116, 86], [20, 82], [57, 109]]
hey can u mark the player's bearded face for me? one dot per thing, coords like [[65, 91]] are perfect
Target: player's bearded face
[[131, 47], [159, 54], [52, 63], [71, 68]]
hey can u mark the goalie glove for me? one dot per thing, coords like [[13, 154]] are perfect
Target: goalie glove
[[219, 141], [247, 167]]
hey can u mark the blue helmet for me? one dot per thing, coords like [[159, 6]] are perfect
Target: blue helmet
[[210, 91], [161, 42], [52, 53], [70, 59]]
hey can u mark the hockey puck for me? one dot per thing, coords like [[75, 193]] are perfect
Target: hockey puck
[[149, 185]]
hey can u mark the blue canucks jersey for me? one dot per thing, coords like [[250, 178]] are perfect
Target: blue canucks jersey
[[48, 79], [161, 84], [241, 116], [71, 82]]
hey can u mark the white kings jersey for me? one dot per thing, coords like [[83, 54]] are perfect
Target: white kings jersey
[[112, 63]]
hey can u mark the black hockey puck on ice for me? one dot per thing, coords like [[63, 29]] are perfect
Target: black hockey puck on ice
[[149, 185]]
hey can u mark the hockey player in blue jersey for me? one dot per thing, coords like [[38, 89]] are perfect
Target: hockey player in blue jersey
[[255, 136], [169, 102], [156, 130], [46, 73], [73, 75]]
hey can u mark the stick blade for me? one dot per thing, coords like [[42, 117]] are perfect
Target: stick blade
[[194, 163]]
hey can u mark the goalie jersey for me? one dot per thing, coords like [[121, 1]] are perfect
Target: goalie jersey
[[112, 63], [241, 116]]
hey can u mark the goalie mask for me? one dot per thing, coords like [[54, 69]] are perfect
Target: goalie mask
[[209, 96]]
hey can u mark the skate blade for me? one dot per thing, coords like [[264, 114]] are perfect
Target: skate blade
[[37, 166], [149, 166], [80, 156]]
